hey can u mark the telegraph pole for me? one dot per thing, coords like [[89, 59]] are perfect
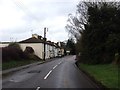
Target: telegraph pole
[[44, 42]]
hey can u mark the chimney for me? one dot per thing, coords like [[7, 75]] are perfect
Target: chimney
[[52, 43], [40, 37], [35, 35], [45, 39], [49, 41], [57, 43]]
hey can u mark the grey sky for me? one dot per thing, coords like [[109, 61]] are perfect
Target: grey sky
[[19, 17]]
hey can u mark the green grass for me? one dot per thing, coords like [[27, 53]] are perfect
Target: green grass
[[107, 74], [13, 63]]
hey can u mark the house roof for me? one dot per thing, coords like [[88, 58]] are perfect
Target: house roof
[[5, 42], [32, 40], [36, 40]]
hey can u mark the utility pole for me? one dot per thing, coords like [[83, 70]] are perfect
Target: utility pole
[[45, 42]]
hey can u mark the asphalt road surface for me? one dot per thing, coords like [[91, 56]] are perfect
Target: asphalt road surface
[[59, 73]]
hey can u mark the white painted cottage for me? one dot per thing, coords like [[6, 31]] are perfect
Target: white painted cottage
[[37, 43]]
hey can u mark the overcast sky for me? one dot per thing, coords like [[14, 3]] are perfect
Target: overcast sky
[[20, 18]]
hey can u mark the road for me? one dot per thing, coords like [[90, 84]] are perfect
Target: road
[[59, 73]]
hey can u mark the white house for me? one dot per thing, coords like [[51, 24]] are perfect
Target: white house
[[37, 43]]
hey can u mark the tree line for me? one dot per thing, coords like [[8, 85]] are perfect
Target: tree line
[[96, 27]]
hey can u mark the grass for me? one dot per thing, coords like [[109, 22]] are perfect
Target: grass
[[107, 74], [14, 63]]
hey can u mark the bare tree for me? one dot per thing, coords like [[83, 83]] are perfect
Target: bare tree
[[76, 23]]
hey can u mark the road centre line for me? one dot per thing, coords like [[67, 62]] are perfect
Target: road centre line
[[51, 70], [11, 80], [47, 74], [55, 66], [60, 62], [38, 88]]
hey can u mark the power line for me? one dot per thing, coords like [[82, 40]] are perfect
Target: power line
[[25, 9], [22, 6]]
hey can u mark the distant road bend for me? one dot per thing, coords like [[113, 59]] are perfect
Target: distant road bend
[[59, 73]]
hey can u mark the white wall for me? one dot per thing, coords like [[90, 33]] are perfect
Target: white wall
[[56, 52], [47, 51], [51, 51], [38, 49], [3, 45], [62, 51]]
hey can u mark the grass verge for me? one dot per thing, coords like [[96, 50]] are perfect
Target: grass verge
[[107, 74], [13, 63]]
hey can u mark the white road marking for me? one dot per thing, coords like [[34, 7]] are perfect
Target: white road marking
[[11, 80], [47, 74], [38, 88], [60, 62], [55, 66], [51, 70]]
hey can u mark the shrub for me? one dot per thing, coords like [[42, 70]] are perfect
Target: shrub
[[12, 52], [29, 50], [29, 53]]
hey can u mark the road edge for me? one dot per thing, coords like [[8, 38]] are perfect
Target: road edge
[[98, 83], [12, 70]]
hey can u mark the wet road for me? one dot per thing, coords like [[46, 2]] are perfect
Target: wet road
[[59, 73]]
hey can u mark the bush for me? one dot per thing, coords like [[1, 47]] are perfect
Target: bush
[[29, 50], [29, 54], [12, 52]]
